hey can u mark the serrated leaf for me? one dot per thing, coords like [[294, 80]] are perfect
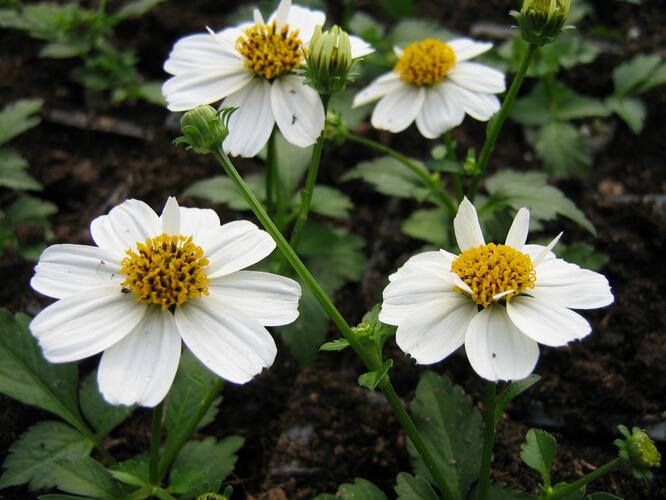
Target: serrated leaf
[[452, 430], [531, 190], [18, 117], [13, 171], [390, 177], [409, 487], [27, 377], [563, 150], [134, 472], [512, 391], [336, 345], [30, 210], [430, 225], [328, 201], [304, 336], [372, 379], [103, 416], [31, 456], [220, 189], [538, 452], [86, 477], [136, 8], [630, 76], [631, 110], [361, 489]]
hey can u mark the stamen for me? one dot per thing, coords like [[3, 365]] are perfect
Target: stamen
[[270, 51], [426, 62]]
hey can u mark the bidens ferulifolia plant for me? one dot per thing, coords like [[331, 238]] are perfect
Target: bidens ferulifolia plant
[[169, 302]]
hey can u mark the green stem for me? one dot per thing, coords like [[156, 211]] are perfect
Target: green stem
[[174, 446], [271, 167], [497, 122], [489, 402], [155, 441], [440, 196], [451, 155], [584, 481]]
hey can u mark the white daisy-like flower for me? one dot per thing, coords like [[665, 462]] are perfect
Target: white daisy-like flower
[[498, 300], [435, 84], [252, 67], [152, 281]]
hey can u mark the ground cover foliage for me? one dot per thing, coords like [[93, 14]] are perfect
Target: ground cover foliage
[[82, 129]]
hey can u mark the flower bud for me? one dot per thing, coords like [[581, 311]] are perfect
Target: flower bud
[[542, 21], [204, 128], [638, 451], [329, 61]]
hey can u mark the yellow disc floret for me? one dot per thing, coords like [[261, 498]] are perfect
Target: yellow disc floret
[[426, 62], [270, 51], [165, 270], [492, 269]]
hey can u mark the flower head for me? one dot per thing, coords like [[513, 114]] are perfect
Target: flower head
[[499, 300], [638, 452], [542, 21], [204, 128], [435, 84], [329, 61], [253, 67], [152, 281]]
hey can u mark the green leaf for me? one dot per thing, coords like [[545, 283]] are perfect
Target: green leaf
[[538, 452], [103, 416], [134, 472], [583, 254], [372, 379], [336, 345], [86, 477], [136, 8], [328, 201], [411, 30], [27, 377], [190, 388], [152, 92], [360, 490], [390, 177], [220, 189], [31, 456], [409, 487], [368, 28], [431, 225], [304, 336], [512, 391], [30, 210], [452, 429], [62, 50], [342, 103], [531, 190], [563, 150], [397, 9], [13, 171], [18, 117], [631, 110], [631, 77], [292, 162], [380, 331]]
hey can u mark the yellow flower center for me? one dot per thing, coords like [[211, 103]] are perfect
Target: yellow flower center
[[270, 51], [426, 62], [493, 269], [165, 270]]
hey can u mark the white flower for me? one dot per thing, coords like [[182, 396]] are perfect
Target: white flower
[[499, 300], [434, 84], [152, 280], [251, 67]]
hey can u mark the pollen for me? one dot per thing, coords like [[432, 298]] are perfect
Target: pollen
[[165, 270], [425, 62], [270, 51], [493, 269]]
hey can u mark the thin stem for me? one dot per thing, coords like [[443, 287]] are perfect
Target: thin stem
[[155, 440], [271, 166], [451, 155], [173, 448], [367, 357], [489, 401], [585, 480], [440, 196], [497, 123]]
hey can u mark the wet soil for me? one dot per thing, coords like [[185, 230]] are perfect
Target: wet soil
[[310, 429]]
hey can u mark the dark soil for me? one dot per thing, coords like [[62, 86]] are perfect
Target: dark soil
[[309, 430]]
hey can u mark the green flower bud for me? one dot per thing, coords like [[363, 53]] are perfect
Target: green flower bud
[[638, 451], [542, 21], [363, 330], [329, 61], [204, 128]]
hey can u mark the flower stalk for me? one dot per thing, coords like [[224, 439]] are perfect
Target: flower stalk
[[576, 486], [489, 401]]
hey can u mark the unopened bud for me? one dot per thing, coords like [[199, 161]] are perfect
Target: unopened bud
[[542, 21], [363, 330], [329, 61], [638, 451], [204, 128]]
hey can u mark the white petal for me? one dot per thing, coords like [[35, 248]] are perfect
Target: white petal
[[235, 246], [519, 229], [385, 84], [425, 262], [535, 250], [496, 349], [546, 322], [270, 299], [479, 106], [478, 78], [397, 110], [198, 223], [435, 330], [304, 20], [251, 124], [126, 225], [258, 18], [466, 48], [398, 51], [171, 217], [141, 367], [359, 47], [281, 13], [188, 90], [231, 344], [64, 270], [86, 323], [466, 226], [440, 113], [546, 251], [570, 286], [298, 110], [203, 51]]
